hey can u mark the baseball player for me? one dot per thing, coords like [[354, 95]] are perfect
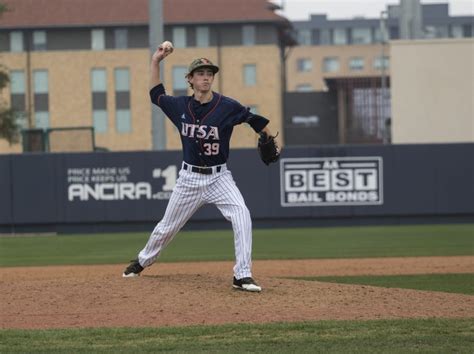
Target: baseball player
[[205, 121]]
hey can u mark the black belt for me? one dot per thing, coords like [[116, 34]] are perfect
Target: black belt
[[202, 170]]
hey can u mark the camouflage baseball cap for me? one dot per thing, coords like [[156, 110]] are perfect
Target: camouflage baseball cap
[[202, 63]]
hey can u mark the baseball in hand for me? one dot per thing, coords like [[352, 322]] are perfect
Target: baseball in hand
[[167, 46]]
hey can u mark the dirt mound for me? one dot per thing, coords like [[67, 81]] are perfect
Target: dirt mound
[[200, 293]]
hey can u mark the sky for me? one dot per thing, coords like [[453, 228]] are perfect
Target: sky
[[337, 9]]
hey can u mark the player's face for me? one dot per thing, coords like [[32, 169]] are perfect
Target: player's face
[[202, 79]]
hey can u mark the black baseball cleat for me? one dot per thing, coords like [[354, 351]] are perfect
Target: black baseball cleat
[[246, 284], [133, 270]]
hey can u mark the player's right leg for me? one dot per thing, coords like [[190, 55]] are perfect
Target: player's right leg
[[185, 200]]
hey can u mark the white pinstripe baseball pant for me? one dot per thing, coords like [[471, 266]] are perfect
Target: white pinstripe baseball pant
[[193, 190]]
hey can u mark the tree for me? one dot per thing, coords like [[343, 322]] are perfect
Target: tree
[[9, 128]]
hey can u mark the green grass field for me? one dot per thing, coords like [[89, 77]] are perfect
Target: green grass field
[[381, 336], [304, 243], [384, 336]]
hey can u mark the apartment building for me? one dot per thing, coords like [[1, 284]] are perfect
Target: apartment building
[[353, 47], [86, 63], [348, 62]]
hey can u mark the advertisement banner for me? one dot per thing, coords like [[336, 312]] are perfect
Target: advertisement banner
[[331, 181], [113, 187]]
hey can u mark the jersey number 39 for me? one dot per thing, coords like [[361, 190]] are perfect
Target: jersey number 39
[[211, 149]]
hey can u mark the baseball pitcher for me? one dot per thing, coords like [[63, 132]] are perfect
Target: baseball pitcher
[[205, 121]]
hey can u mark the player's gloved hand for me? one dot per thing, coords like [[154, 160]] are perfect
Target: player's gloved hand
[[268, 148]]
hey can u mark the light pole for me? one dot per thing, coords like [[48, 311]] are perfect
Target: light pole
[[155, 30], [383, 77]]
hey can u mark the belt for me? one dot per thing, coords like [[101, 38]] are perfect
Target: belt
[[203, 170]]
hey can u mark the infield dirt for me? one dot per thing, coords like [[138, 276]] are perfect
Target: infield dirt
[[175, 294]]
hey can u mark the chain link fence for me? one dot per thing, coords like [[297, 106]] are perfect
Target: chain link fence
[[68, 139]]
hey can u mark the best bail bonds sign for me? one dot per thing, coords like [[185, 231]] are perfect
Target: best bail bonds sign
[[331, 181]]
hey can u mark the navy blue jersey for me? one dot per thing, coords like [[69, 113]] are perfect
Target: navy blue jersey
[[205, 129]]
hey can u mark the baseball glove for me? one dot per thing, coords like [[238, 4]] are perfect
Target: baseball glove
[[268, 148]]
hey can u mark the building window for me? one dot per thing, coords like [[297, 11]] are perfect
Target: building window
[[122, 80], [250, 74], [40, 79], [468, 30], [304, 88], [437, 31], [340, 36], [430, 32], [248, 35], [443, 31], [394, 32], [99, 80], [123, 119], [456, 31], [378, 36], [380, 63], [100, 121], [304, 65], [41, 120], [179, 37], [17, 96], [361, 36], [16, 41], [325, 37], [39, 40], [330, 64], [98, 39], [202, 36], [41, 98], [180, 84], [99, 100], [304, 37], [356, 64], [121, 38], [17, 80]]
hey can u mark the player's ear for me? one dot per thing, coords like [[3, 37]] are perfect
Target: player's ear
[[188, 79]]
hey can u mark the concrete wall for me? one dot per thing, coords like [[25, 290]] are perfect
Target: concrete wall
[[432, 91]]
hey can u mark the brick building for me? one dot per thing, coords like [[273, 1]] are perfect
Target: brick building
[[86, 63]]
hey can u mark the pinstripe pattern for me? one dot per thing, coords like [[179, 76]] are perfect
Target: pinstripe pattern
[[223, 192], [193, 190]]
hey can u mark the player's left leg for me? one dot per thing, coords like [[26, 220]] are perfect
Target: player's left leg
[[223, 192]]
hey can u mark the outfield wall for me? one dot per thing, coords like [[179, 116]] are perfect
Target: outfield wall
[[327, 185]]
